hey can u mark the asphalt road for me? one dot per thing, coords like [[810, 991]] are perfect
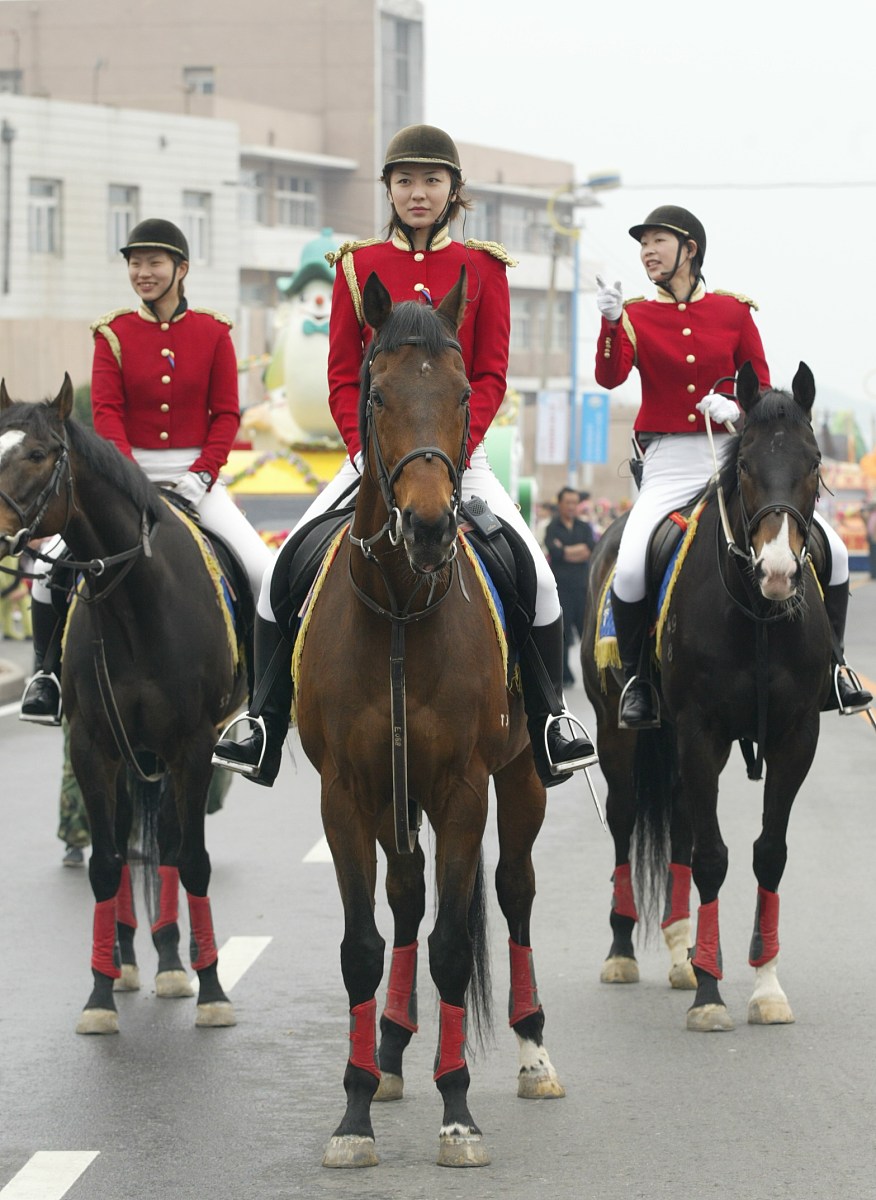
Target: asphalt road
[[165, 1110]]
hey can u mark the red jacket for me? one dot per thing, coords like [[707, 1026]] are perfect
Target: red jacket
[[681, 351], [483, 335], [161, 385]]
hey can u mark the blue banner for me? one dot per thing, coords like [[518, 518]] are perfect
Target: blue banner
[[594, 427]]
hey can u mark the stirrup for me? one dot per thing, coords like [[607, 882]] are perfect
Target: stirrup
[[574, 764], [654, 722], [229, 764], [41, 718], [842, 670]]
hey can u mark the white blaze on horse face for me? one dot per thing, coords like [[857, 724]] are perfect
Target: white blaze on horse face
[[8, 442], [776, 566]]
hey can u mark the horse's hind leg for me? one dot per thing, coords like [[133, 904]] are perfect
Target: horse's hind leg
[[616, 749], [126, 914], [520, 812], [171, 979], [406, 893]]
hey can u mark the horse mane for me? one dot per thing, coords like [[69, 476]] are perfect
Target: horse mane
[[407, 321], [773, 406]]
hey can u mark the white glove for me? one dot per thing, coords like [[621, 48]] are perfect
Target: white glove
[[609, 300], [192, 488], [719, 408], [359, 461]]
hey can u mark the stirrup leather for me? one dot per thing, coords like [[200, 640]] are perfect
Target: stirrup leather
[[251, 770], [654, 723], [41, 718], [574, 764], [841, 670]]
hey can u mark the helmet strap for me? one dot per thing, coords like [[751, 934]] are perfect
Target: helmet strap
[[664, 284]]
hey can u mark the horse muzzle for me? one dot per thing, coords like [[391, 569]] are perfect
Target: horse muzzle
[[777, 558], [429, 544]]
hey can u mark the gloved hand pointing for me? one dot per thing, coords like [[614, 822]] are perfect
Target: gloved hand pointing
[[609, 300], [719, 408]]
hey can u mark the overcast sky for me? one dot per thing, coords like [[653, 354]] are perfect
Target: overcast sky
[[759, 117]]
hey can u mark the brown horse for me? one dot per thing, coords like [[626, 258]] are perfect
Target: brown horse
[[398, 570]]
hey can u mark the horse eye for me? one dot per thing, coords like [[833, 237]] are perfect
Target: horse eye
[[466, 396], [376, 399], [742, 466], [37, 455]]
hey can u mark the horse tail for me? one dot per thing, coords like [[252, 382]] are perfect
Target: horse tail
[[654, 775], [479, 988], [147, 798]]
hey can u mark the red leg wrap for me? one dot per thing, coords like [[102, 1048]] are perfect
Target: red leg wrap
[[103, 946], [204, 952], [523, 1000], [623, 902], [707, 952], [451, 1040], [363, 1039], [125, 914], [401, 991], [168, 897], [677, 906], [765, 939]]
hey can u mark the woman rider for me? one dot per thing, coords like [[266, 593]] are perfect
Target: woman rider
[[420, 260], [682, 342]]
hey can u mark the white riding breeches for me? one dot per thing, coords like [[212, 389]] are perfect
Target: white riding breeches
[[677, 467], [478, 480]]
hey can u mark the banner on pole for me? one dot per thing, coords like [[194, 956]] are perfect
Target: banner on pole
[[552, 428], [594, 427]]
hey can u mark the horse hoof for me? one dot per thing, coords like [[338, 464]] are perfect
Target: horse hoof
[[681, 976], [456, 1150], [129, 980], [173, 984], [539, 1085], [709, 1018], [770, 1012], [391, 1087], [217, 1015], [98, 1020], [619, 970], [350, 1151]]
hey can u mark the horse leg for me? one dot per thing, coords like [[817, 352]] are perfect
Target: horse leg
[[406, 893], [520, 812], [616, 748], [353, 846], [126, 913], [452, 951], [171, 979]]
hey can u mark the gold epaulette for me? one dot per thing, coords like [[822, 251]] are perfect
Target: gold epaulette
[[107, 318], [217, 316], [737, 296], [496, 249], [334, 256], [633, 300]]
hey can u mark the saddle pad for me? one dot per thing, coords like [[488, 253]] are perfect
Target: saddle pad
[[211, 562], [491, 596], [306, 610]]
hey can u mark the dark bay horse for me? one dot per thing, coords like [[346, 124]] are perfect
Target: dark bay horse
[[149, 674], [399, 569], [745, 654]]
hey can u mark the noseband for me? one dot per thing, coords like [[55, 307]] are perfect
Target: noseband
[[751, 523]]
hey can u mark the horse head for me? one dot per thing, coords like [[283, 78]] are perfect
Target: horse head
[[33, 468], [777, 467], [415, 418]]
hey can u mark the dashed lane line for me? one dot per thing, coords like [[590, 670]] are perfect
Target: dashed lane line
[[48, 1175], [319, 853], [236, 957]]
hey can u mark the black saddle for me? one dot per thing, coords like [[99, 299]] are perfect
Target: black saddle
[[298, 563]]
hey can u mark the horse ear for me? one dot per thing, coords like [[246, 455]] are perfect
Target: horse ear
[[5, 400], [747, 387], [377, 302], [803, 388], [452, 307], [63, 402]]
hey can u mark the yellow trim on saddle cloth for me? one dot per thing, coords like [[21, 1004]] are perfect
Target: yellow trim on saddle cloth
[[488, 596], [605, 650], [212, 565], [307, 609], [689, 535]]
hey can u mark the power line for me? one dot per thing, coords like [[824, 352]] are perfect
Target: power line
[[751, 187]]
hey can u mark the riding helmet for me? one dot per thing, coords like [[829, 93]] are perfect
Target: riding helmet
[[678, 220], [422, 144], [156, 233]]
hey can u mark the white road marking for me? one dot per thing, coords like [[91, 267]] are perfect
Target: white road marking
[[9, 710], [236, 957], [49, 1175], [319, 853]]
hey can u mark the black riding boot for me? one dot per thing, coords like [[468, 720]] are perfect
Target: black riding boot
[[41, 701], [542, 694], [847, 695], [637, 709], [274, 712]]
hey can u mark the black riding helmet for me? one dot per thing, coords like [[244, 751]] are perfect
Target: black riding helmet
[[686, 228], [424, 144], [157, 234]]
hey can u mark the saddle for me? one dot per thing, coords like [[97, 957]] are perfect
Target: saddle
[[298, 564]]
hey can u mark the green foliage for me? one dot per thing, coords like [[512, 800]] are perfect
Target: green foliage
[[82, 405]]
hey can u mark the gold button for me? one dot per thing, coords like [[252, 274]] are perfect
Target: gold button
[[165, 325], [165, 408], [419, 256], [691, 418], [165, 352], [164, 436], [691, 388], [691, 358], [685, 332], [165, 379], [418, 287], [606, 354], [682, 307]]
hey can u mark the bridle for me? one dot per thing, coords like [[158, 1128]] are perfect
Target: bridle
[[31, 515]]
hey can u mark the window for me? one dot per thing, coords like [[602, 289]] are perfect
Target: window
[[482, 222], [44, 216], [401, 74], [11, 81], [294, 200], [529, 323], [253, 197], [200, 80], [525, 229], [124, 203], [196, 225]]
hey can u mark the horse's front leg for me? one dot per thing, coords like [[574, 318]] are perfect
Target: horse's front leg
[[126, 912], [406, 893], [676, 923], [616, 750], [352, 840], [520, 813]]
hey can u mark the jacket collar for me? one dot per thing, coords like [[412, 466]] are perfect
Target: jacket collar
[[440, 241], [698, 293]]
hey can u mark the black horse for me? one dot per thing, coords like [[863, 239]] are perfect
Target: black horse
[[150, 672], [745, 654]]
